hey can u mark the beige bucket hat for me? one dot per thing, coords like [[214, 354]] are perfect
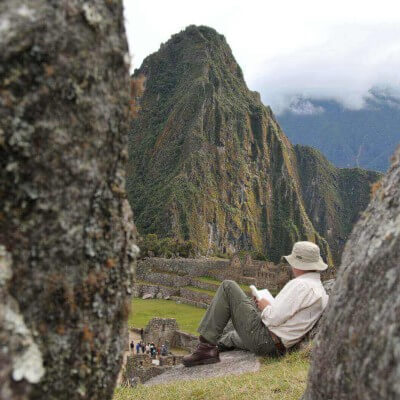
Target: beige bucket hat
[[306, 256]]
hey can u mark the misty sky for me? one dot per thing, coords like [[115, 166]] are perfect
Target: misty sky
[[313, 48]]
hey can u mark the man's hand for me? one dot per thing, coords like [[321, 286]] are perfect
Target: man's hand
[[262, 303]]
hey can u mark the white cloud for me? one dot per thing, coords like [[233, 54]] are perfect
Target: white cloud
[[312, 48], [345, 67], [301, 106]]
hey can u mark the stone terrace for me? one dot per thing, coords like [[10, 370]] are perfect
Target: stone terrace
[[194, 281]]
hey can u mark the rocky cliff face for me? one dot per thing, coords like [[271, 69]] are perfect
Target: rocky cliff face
[[66, 230], [208, 161], [333, 197], [357, 349]]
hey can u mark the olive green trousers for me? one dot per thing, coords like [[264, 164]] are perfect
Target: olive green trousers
[[248, 333]]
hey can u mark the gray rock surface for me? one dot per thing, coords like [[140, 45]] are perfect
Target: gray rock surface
[[66, 230], [232, 363], [357, 352]]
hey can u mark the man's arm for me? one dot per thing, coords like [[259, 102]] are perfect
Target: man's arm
[[286, 304]]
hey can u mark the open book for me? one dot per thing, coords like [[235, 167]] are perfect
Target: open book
[[264, 293]]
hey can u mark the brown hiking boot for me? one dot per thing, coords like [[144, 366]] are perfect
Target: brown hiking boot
[[204, 354]]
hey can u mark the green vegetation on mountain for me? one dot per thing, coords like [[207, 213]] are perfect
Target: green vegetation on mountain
[[208, 162], [333, 196]]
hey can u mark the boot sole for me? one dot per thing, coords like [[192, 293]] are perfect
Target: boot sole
[[202, 362]]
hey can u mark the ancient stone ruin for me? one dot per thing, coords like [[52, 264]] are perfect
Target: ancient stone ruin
[[160, 331], [179, 279], [356, 356], [66, 232], [166, 331], [140, 367]]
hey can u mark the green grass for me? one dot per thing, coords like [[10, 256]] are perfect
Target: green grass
[[208, 279], [188, 317], [277, 379], [196, 289]]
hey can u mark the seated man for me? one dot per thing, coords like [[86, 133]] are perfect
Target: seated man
[[261, 327]]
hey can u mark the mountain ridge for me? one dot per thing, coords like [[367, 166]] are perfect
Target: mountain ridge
[[363, 138]]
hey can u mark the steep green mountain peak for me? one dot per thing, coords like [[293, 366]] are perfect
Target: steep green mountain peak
[[208, 161]]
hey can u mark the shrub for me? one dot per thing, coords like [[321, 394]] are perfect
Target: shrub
[[152, 245]]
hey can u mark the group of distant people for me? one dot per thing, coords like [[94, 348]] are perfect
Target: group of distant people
[[149, 348]]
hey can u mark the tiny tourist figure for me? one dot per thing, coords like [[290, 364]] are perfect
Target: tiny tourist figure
[[141, 333], [137, 348], [132, 346], [267, 326], [143, 347]]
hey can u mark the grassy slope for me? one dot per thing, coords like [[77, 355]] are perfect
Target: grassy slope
[[143, 311], [283, 379]]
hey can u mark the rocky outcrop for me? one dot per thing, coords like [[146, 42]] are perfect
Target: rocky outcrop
[[232, 363], [209, 159], [66, 230], [333, 197], [357, 349]]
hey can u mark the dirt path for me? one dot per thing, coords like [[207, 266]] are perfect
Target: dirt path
[[136, 338]]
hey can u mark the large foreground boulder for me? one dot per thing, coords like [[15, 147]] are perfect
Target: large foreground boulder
[[357, 352], [66, 231]]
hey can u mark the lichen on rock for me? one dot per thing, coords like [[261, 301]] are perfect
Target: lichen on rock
[[356, 355], [64, 217]]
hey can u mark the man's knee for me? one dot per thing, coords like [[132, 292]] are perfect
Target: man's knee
[[227, 283], [231, 287]]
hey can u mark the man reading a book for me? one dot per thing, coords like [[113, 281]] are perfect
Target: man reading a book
[[266, 326]]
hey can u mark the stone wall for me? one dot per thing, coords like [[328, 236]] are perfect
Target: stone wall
[[160, 331], [222, 274], [167, 279], [140, 368], [272, 276], [140, 360], [179, 273], [181, 266], [195, 296], [166, 331], [156, 290], [185, 340], [193, 303], [170, 360]]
